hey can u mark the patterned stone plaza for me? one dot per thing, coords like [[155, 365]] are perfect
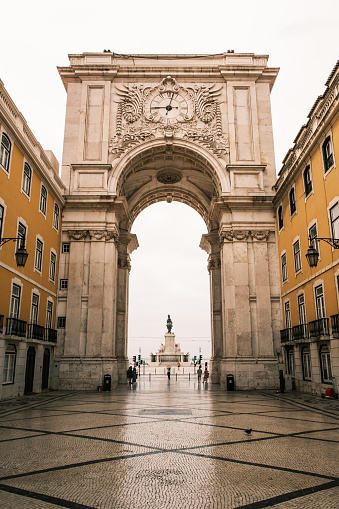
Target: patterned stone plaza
[[178, 444]]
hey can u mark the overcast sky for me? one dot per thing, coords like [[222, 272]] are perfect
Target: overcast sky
[[169, 271]]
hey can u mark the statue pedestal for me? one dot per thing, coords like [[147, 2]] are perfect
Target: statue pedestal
[[170, 353]]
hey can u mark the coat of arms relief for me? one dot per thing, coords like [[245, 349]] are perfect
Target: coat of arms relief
[[168, 110]]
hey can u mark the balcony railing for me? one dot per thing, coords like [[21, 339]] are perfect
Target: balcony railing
[[16, 327], [335, 323], [286, 335], [318, 328], [35, 331], [51, 335], [300, 331], [1, 323]]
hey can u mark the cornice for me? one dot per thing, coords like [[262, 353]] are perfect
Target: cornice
[[323, 112], [18, 127]]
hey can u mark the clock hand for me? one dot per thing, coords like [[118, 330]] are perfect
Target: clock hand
[[169, 107], [164, 108]]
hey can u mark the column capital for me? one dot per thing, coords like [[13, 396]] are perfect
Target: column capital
[[77, 234], [214, 262]]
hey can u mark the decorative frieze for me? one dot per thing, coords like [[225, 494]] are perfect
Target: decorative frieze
[[77, 234], [241, 235]]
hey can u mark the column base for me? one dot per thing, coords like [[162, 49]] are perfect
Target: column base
[[83, 373], [251, 372]]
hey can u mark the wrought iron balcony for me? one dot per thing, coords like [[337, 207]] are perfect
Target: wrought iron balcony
[[51, 335], [335, 324], [16, 327], [300, 332], [286, 335], [318, 328], [36, 331]]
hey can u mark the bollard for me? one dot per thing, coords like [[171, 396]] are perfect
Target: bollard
[[176, 377], [189, 377], [149, 376], [155, 371], [183, 371]]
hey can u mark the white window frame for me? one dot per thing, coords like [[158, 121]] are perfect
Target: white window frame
[[17, 282], [65, 250], [2, 219], [52, 274], [302, 309], [8, 371], [297, 256], [325, 363], [295, 200], [290, 361], [56, 226], [49, 313], [316, 285], [287, 314], [43, 212], [26, 180], [328, 136], [306, 363], [282, 217], [36, 268], [34, 319], [2, 166], [284, 272], [334, 232], [308, 166]]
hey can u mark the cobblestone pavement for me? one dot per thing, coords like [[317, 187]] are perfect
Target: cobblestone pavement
[[178, 444]]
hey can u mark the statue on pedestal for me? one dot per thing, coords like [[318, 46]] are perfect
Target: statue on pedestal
[[169, 324]]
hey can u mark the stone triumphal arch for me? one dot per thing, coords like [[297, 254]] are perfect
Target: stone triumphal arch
[[145, 128]]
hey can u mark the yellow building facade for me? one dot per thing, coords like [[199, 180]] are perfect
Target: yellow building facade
[[307, 206], [30, 211]]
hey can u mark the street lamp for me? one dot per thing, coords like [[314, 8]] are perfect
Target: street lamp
[[312, 254], [20, 253]]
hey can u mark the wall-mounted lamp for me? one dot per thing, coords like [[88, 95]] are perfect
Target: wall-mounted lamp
[[312, 254], [20, 253]]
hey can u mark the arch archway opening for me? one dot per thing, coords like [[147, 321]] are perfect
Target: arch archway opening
[[169, 276]]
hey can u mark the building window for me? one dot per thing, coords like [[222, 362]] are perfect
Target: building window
[[325, 363], [43, 200], [284, 267], [63, 284], [34, 309], [293, 204], [56, 215], [49, 314], [312, 235], [334, 215], [65, 247], [52, 267], [26, 180], [290, 361], [297, 257], [15, 301], [2, 218], [5, 152], [301, 309], [288, 322], [9, 365], [320, 302], [327, 154], [306, 363], [307, 180], [21, 236], [61, 322], [280, 217], [38, 255]]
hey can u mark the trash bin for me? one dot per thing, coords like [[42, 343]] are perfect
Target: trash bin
[[107, 382], [230, 382]]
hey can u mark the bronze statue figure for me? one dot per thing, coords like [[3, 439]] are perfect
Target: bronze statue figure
[[169, 324]]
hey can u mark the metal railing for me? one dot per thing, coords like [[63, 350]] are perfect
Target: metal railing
[[318, 328], [335, 323], [51, 335], [16, 327], [286, 335], [35, 331], [300, 331]]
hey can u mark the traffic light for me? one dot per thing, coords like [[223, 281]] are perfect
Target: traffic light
[[134, 359], [200, 359], [139, 359]]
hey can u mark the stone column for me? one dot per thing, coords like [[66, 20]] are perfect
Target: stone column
[[74, 325], [211, 244], [126, 244]]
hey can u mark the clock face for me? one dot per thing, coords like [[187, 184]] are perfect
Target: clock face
[[168, 106]]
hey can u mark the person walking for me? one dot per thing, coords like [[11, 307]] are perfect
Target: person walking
[[169, 372], [206, 375], [199, 373], [130, 374], [135, 375]]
